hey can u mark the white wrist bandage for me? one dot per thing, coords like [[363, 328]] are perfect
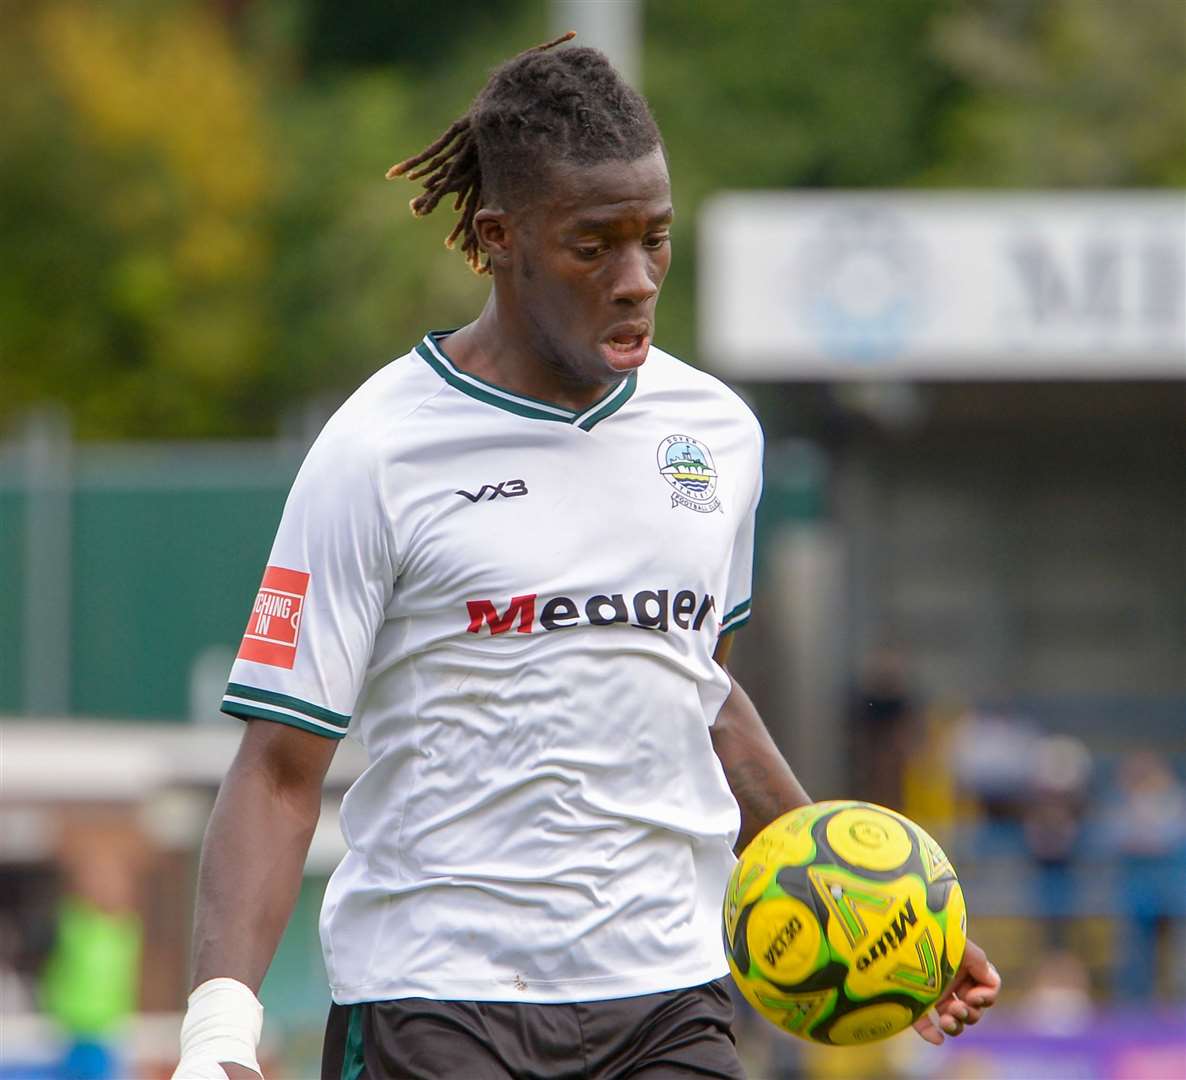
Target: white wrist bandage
[[223, 1023]]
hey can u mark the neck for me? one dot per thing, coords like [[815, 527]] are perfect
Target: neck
[[499, 348]]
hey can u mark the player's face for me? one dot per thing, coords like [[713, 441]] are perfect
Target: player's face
[[590, 256]]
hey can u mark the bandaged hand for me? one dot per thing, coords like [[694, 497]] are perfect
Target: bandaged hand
[[222, 1023]]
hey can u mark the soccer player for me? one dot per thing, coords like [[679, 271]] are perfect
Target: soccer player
[[512, 564]]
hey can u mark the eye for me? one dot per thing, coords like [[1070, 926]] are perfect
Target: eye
[[656, 240], [589, 251]]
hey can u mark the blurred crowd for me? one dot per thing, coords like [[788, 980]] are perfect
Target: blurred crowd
[[1046, 829]]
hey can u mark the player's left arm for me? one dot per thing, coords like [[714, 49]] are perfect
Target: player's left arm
[[762, 782], [766, 787]]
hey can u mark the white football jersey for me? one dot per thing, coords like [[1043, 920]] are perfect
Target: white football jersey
[[514, 608]]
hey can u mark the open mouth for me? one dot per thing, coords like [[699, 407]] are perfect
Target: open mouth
[[624, 352], [627, 344]]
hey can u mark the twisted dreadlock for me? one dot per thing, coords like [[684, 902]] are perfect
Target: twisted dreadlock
[[545, 104]]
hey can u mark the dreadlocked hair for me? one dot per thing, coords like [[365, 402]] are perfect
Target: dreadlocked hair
[[544, 105]]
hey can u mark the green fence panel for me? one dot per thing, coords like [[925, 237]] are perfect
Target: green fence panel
[[159, 576], [12, 542]]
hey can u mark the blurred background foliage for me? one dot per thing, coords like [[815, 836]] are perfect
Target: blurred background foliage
[[197, 237]]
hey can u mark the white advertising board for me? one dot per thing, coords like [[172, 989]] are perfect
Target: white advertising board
[[939, 285]]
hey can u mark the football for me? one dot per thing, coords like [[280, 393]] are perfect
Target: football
[[843, 922]]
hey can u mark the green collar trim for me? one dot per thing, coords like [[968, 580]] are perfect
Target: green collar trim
[[520, 404]]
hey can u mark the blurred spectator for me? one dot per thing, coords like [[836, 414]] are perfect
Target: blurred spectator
[[881, 728], [1058, 1002], [993, 760], [15, 992], [1052, 823], [1146, 826], [90, 985]]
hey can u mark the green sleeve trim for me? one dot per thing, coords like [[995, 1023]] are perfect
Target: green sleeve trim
[[259, 712], [270, 697], [737, 617], [736, 625], [733, 613]]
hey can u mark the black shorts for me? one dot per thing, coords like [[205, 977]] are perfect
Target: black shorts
[[681, 1033]]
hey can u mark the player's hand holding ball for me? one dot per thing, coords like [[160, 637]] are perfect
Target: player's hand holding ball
[[974, 989], [844, 923]]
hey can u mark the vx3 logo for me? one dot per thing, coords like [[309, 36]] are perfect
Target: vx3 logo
[[508, 489]]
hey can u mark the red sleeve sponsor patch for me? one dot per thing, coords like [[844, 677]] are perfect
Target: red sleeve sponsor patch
[[275, 623]]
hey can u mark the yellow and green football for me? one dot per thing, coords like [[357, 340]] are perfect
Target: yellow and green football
[[843, 922]]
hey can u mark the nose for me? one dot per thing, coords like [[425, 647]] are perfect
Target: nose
[[635, 282]]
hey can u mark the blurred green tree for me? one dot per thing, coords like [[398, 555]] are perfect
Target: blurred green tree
[[381, 33], [356, 279], [1064, 93], [133, 183], [196, 236]]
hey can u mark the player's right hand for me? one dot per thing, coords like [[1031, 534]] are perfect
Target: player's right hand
[[222, 1022]]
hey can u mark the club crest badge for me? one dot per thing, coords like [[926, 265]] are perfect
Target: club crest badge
[[686, 464]]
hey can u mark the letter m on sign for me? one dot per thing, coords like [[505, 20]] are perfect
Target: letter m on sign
[[483, 611]]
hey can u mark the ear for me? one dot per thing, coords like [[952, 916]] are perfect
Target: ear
[[494, 234]]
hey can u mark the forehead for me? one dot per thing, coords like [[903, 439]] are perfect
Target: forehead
[[609, 190]]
